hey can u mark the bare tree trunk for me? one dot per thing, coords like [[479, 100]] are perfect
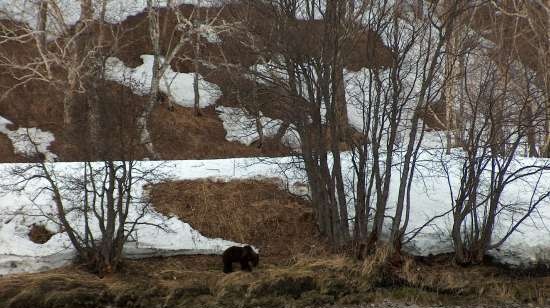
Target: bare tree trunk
[[143, 119], [196, 23], [259, 129], [529, 121], [42, 23], [545, 151], [281, 132], [196, 106], [86, 10], [69, 97], [97, 83], [449, 89]]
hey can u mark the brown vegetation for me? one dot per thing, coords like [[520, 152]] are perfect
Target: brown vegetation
[[39, 234], [198, 282], [180, 135], [248, 211]]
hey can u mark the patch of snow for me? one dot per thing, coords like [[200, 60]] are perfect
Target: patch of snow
[[241, 127], [177, 85], [208, 32], [116, 10], [29, 141]]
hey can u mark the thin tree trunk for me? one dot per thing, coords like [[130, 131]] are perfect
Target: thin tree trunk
[[42, 23], [143, 119], [531, 130], [196, 105], [449, 90]]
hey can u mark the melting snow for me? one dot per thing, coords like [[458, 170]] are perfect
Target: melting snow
[[28, 141], [178, 85], [241, 127]]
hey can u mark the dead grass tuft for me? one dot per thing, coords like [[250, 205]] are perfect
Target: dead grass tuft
[[39, 234], [378, 269]]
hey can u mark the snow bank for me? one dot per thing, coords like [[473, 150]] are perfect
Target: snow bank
[[179, 86], [28, 141], [430, 195]]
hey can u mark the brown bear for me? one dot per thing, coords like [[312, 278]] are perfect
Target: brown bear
[[243, 255]]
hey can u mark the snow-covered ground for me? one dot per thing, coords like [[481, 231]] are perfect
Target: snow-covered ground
[[430, 195], [27, 141], [178, 86], [241, 127]]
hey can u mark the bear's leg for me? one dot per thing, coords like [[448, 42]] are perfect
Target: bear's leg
[[227, 267], [245, 266]]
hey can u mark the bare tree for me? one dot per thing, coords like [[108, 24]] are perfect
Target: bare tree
[[496, 109], [188, 28], [105, 196], [68, 59]]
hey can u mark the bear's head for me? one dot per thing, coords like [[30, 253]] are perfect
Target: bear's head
[[251, 255]]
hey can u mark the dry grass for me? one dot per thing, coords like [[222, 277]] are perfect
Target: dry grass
[[6, 151], [313, 281], [487, 284], [282, 226], [39, 234], [182, 135]]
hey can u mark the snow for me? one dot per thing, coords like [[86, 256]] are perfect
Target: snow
[[179, 86], [20, 210], [241, 127], [430, 195], [28, 141], [116, 10], [209, 33]]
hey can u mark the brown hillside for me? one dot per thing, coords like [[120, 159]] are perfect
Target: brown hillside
[[177, 135]]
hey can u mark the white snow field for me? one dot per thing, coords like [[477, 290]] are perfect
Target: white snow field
[[430, 197]]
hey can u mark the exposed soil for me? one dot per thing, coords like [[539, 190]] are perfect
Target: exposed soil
[[179, 134]]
